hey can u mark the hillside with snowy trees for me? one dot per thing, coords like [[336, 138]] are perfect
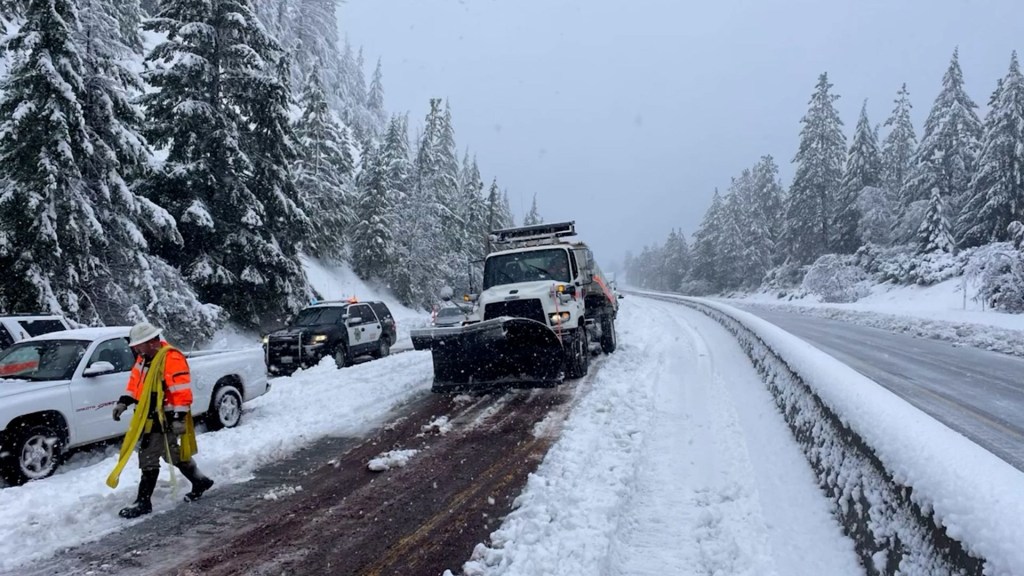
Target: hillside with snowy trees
[[171, 160], [883, 205]]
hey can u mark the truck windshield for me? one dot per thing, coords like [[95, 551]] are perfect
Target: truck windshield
[[319, 315], [529, 266], [42, 360]]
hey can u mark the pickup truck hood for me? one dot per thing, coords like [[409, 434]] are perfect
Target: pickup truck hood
[[10, 388], [522, 291]]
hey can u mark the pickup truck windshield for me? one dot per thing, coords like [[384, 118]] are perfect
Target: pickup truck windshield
[[320, 315], [526, 267], [43, 360]]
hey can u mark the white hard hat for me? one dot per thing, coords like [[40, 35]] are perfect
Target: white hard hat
[[141, 333]]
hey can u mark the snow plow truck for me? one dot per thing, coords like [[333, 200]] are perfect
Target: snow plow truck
[[543, 302]]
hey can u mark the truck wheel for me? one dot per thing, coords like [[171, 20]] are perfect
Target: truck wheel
[[577, 361], [608, 340], [225, 409], [383, 347], [341, 358], [36, 452]]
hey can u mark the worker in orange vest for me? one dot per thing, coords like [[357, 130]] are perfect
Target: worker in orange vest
[[164, 426]]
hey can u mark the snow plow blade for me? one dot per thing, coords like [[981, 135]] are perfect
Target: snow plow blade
[[493, 352]]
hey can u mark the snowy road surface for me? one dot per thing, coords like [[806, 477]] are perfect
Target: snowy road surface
[[676, 462], [672, 460], [975, 392]]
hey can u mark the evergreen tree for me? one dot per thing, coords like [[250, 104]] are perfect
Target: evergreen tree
[[324, 172], [221, 112], [130, 284], [706, 253], [946, 158], [997, 190], [508, 219], [533, 217], [48, 230], [898, 148], [374, 248], [375, 97], [768, 205], [934, 234], [676, 261], [819, 172], [863, 169]]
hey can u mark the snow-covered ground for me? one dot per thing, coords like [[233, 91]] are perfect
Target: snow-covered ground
[[939, 312], [676, 462], [673, 461]]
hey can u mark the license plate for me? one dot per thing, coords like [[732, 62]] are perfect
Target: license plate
[[286, 359]]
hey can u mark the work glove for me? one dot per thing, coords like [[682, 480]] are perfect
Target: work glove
[[119, 409], [178, 426]]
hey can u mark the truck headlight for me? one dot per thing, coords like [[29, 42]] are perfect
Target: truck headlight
[[319, 338], [265, 339], [559, 317]]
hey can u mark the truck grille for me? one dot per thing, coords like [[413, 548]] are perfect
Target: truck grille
[[283, 346], [530, 309]]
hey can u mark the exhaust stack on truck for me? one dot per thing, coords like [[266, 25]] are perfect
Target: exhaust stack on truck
[[544, 300]]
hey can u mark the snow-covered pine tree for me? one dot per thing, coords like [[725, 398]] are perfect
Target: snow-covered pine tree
[[863, 169], [707, 241], [819, 172], [373, 241], [474, 209], [768, 199], [375, 98], [533, 216], [324, 172], [221, 114], [947, 156], [48, 230], [997, 190], [131, 285], [934, 234], [508, 218], [677, 260], [898, 149]]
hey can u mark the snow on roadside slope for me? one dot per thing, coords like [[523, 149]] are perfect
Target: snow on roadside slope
[[675, 462], [339, 282], [74, 507]]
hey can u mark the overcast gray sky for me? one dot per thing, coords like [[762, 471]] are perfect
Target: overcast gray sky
[[625, 116]]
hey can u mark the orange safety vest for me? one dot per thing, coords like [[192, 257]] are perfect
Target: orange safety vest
[[177, 380]]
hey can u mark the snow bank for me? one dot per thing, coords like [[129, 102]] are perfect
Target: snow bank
[[913, 494]]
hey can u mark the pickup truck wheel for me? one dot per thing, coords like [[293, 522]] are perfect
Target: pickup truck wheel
[[608, 340], [341, 358], [383, 347], [36, 453], [226, 408]]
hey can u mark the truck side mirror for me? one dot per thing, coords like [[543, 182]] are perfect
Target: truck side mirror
[[353, 320], [98, 369]]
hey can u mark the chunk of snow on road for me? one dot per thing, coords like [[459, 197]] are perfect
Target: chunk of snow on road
[[439, 425], [392, 459], [281, 492]]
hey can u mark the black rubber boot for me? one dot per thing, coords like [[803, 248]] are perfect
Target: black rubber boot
[[143, 504], [200, 483]]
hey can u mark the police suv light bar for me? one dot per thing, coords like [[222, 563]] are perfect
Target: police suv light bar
[[548, 232]]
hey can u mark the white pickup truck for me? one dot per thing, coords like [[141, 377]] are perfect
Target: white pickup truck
[[57, 392]]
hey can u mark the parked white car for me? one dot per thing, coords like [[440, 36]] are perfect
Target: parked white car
[[57, 392]]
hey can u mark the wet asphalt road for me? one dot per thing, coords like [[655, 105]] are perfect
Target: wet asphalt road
[[979, 394]]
